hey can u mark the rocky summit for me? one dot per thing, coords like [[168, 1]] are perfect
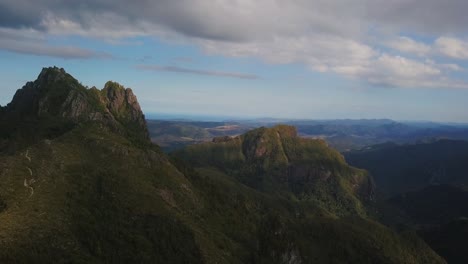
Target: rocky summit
[[80, 182], [57, 101]]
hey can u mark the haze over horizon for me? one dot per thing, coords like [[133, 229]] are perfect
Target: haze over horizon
[[403, 60]]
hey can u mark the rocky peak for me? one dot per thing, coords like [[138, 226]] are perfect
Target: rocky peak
[[120, 99], [116, 96], [52, 74], [267, 143], [124, 106], [55, 94]]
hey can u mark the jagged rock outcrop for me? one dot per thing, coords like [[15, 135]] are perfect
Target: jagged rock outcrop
[[57, 95], [124, 106]]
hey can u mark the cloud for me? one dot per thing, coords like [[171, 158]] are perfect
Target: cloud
[[65, 52], [427, 17], [452, 47], [33, 42], [409, 46], [198, 72], [319, 52], [347, 58], [325, 36]]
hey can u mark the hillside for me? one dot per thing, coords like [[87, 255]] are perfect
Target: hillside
[[402, 168], [82, 183], [438, 213], [423, 186]]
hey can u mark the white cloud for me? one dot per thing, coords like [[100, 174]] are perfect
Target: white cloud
[[33, 42], [409, 46], [452, 47], [451, 67], [345, 57], [397, 71], [319, 52]]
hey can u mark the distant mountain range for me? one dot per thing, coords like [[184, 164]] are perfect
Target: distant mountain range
[[344, 135]]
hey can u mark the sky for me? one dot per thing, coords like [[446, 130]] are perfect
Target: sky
[[304, 59]]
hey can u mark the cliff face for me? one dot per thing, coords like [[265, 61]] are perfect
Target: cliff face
[[58, 96], [124, 106], [277, 159]]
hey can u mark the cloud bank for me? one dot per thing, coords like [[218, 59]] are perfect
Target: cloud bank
[[358, 39]]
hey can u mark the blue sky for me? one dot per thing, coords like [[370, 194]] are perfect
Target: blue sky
[[297, 59]]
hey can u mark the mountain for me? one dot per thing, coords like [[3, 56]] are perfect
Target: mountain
[[80, 182], [56, 103], [277, 160]]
